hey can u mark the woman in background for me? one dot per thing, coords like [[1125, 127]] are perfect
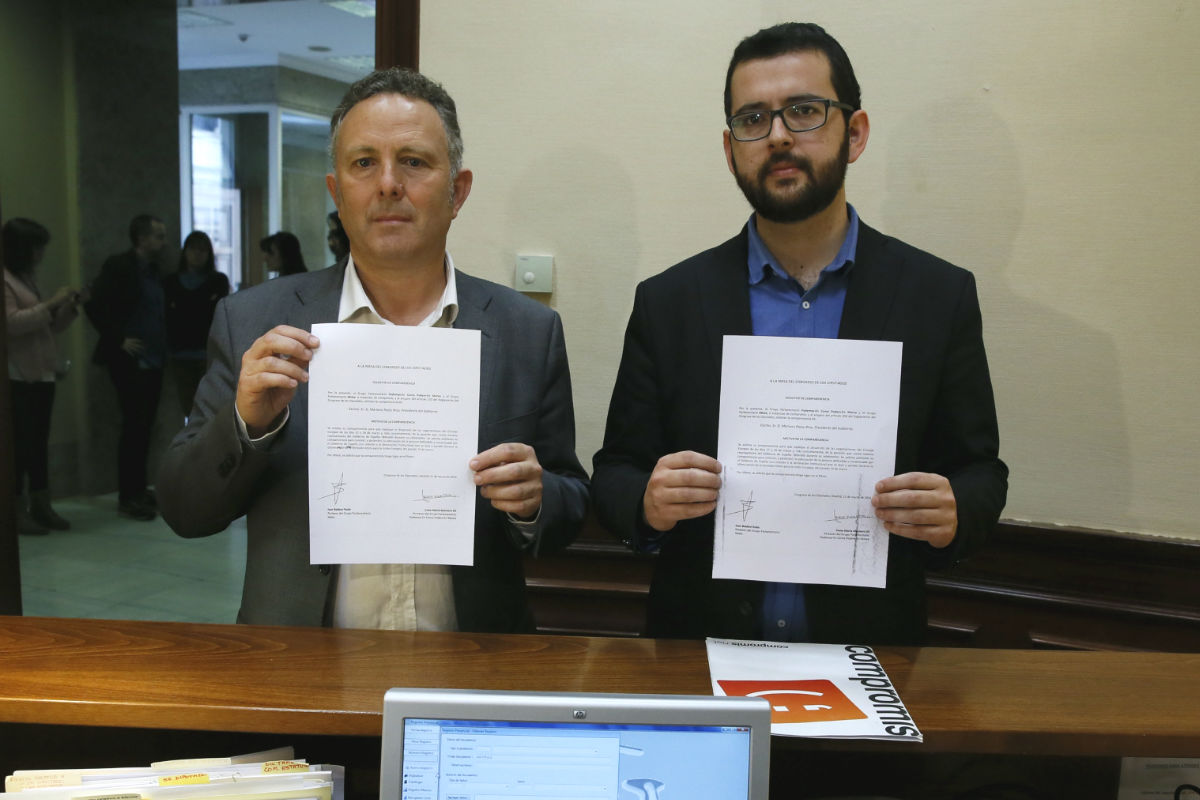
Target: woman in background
[[281, 252], [32, 368], [191, 296]]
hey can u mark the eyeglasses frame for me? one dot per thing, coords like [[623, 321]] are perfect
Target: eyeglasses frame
[[778, 112]]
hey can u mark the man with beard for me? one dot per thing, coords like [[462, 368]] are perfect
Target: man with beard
[[804, 265]]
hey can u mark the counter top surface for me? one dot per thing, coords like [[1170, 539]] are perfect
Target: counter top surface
[[323, 681]]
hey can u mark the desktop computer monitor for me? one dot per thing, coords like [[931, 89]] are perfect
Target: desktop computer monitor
[[458, 744]]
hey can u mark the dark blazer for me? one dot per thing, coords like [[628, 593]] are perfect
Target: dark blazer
[[115, 295], [209, 477], [667, 398]]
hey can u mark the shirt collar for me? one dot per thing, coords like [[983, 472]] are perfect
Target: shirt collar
[[760, 257], [356, 306]]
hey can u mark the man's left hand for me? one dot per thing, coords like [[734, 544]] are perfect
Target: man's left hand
[[510, 476], [918, 505]]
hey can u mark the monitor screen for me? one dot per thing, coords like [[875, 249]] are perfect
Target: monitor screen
[[463, 745]]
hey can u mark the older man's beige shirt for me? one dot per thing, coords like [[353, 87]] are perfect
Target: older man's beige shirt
[[404, 597]]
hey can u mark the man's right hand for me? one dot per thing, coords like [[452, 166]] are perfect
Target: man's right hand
[[682, 486], [272, 368]]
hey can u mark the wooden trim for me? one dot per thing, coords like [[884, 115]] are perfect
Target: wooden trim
[[1040, 586], [1032, 586], [397, 33], [10, 563]]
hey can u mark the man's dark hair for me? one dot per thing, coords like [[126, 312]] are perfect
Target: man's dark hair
[[795, 37], [141, 225], [413, 85], [22, 237]]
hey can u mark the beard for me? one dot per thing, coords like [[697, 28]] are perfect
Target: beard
[[825, 180]]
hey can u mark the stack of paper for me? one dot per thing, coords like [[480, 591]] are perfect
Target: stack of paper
[[828, 691], [268, 775]]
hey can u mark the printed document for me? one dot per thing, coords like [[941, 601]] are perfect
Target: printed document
[[807, 427], [830, 691], [393, 420]]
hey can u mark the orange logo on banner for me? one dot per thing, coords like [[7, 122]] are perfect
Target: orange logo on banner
[[798, 701]]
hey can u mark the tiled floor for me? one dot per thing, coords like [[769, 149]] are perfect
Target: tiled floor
[[110, 567]]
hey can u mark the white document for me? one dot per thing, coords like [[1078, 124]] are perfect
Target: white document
[[393, 421], [807, 427], [830, 691], [1143, 778]]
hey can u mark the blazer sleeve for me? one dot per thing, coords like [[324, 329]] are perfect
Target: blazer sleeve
[[564, 482], [208, 474], [963, 442], [633, 435]]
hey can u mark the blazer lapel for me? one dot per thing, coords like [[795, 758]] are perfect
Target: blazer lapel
[[473, 300], [316, 300], [874, 281], [722, 294]]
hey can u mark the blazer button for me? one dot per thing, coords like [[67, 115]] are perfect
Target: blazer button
[[226, 466], [325, 569], [745, 608]]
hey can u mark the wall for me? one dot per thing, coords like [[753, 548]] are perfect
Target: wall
[[1045, 147]]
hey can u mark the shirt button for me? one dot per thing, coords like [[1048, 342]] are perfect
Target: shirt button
[[806, 305], [781, 623]]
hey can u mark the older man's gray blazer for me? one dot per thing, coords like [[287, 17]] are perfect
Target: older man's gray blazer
[[210, 477]]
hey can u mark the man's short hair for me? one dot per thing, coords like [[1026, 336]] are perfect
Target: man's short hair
[[142, 225], [795, 37], [413, 85]]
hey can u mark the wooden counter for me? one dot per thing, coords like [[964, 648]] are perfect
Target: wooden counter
[[331, 682]]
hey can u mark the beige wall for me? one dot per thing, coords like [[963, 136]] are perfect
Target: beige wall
[[1050, 148]]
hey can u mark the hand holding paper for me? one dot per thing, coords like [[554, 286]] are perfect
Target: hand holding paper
[[272, 368], [510, 476], [917, 505], [682, 486]]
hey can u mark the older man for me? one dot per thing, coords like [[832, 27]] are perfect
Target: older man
[[804, 265], [398, 182]]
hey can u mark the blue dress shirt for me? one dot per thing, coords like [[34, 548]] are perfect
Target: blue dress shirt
[[779, 306]]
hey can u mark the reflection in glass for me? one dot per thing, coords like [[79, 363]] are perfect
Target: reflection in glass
[[306, 202], [100, 138], [216, 202]]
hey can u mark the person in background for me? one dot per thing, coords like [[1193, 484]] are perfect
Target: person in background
[[32, 368], [281, 253], [192, 294], [339, 243], [127, 308]]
